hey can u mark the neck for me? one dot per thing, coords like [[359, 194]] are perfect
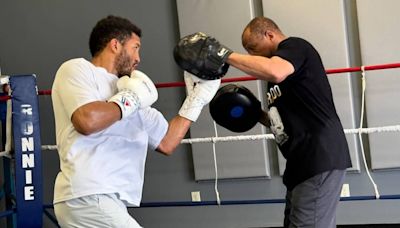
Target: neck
[[279, 39], [105, 61]]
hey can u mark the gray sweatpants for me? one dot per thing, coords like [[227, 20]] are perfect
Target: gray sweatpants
[[313, 203], [94, 211]]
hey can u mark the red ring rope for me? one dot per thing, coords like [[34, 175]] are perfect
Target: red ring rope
[[250, 78]]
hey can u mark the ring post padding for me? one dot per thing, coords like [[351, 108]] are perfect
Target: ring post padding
[[27, 147]]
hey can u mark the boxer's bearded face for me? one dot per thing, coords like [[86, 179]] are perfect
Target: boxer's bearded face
[[124, 64], [128, 58]]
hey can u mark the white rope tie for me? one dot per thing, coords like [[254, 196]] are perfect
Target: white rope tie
[[377, 195], [5, 154], [9, 136], [215, 164], [49, 147]]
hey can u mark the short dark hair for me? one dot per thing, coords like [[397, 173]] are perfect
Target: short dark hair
[[260, 24], [109, 28]]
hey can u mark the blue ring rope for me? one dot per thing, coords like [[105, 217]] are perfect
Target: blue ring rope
[[243, 202]]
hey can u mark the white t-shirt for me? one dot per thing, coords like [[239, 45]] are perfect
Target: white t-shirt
[[109, 161]]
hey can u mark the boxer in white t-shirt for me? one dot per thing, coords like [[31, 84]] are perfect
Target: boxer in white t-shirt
[[105, 125]]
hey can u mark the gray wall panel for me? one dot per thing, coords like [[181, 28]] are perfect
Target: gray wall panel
[[235, 159], [379, 45]]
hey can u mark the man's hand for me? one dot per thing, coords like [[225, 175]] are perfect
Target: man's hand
[[202, 56], [134, 92], [199, 93]]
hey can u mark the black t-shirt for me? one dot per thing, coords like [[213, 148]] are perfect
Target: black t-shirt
[[316, 142]]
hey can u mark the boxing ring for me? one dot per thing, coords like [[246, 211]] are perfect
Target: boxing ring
[[22, 164]]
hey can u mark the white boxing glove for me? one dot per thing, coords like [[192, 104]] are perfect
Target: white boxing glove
[[134, 92], [199, 93], [150, 94]]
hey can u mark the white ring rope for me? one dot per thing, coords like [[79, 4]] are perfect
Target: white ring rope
[[390, 128], [214, 140]]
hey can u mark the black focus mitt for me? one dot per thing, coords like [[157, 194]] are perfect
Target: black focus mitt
[[237, 109], [202, 56]]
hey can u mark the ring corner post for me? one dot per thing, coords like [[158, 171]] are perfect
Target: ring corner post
[[27, 147]]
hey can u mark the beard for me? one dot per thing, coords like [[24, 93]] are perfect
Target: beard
[[123, 64]]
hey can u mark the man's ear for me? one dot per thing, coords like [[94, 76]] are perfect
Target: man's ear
[[268, 34], [114, 45]]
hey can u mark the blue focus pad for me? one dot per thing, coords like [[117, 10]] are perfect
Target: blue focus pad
[[235, 108]]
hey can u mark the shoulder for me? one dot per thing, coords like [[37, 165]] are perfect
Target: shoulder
[[297, 46], [74, 71], [294, 42], [74, 67], [77, 62]]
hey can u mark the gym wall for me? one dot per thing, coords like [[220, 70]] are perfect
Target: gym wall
[[37, 36]]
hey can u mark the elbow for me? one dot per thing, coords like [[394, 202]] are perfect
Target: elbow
[[83, 123], [277, 77], [277, 80], [271, 75], [83, 128], [83, 131], [168, 152], [278, 70], [166, 148]]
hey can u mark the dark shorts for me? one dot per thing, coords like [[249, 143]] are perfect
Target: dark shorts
[[313, 202]]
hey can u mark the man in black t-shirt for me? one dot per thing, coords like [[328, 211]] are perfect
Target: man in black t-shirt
[[310, 135]]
